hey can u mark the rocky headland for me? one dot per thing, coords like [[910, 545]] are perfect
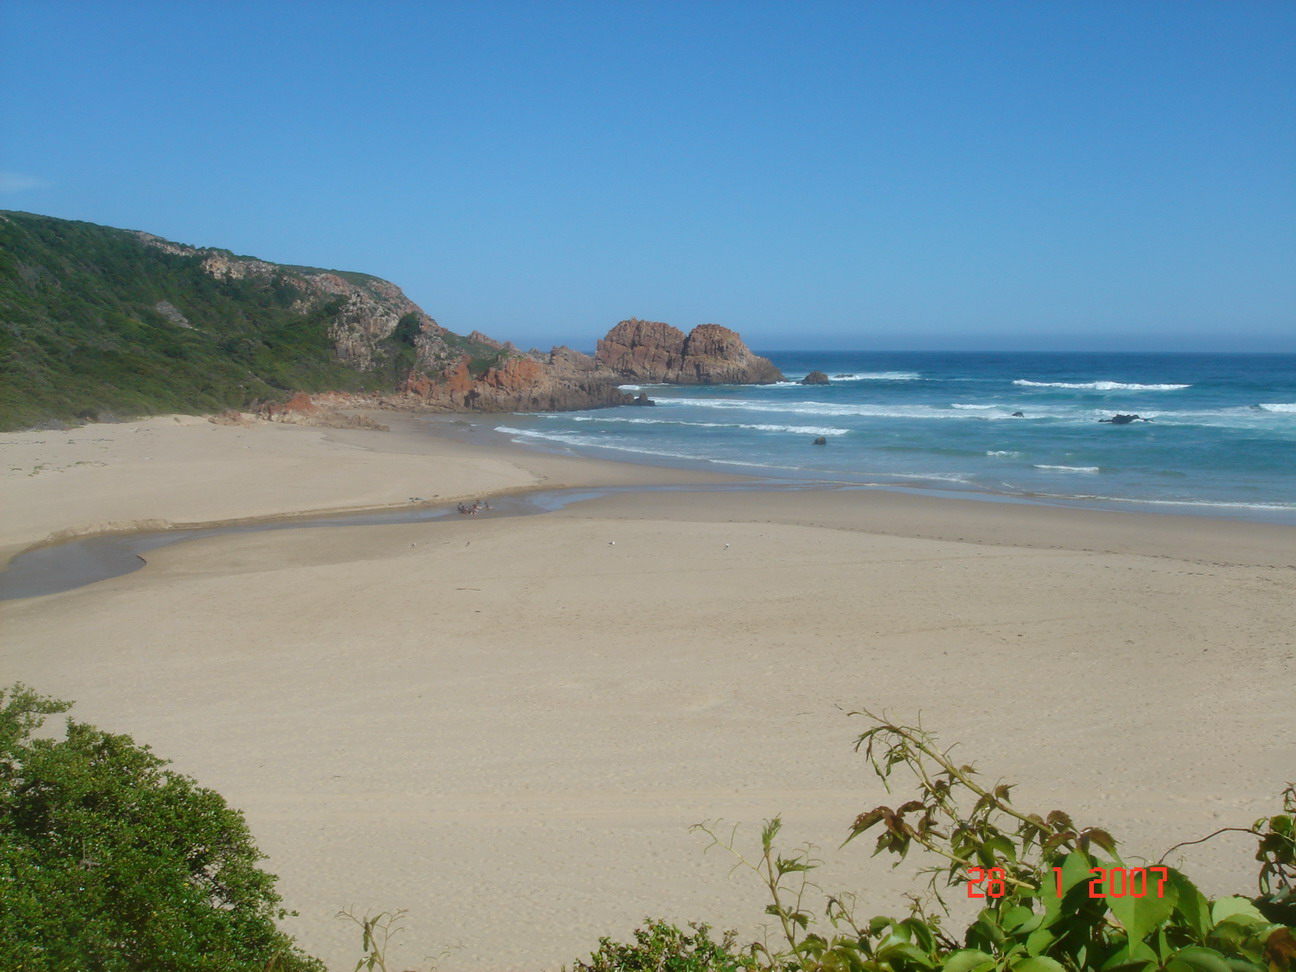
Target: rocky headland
[[102, 323], [651, 351]]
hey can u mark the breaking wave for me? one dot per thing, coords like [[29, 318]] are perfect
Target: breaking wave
[[756, 427], [1098, 385], [831, 409], [878, 376]]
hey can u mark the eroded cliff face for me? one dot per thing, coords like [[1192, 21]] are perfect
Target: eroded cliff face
[[651, 351], [373, 326]]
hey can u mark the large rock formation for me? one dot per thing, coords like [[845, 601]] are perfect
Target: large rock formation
[[560, 381], [709, 355]]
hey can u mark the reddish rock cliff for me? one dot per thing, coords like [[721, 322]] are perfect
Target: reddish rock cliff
[[560, 381], [710, 355]]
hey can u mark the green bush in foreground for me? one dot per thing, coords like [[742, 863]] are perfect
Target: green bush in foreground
[[109, 861], [662, 947], [1036, 875]]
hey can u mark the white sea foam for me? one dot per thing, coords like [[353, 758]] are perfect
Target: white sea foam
[[1008, 453], [795, 429], [1219, 504], [611, 420], [1083, 469], [831, 409], [878, 376], [585, 441], [961, 405], [1098, 385], [1287, 407], [573, 439], [936, 477]]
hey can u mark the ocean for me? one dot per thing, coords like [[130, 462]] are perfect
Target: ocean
[[1220, 440]]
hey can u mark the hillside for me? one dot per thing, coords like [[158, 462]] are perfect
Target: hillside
[[98, 322]]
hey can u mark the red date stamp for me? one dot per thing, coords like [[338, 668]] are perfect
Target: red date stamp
[[1119, 882]]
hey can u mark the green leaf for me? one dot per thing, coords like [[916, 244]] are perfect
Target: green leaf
[[1236, 909], [1196, 958], [921, 932], [878, 922], [1002, 847], [1139, 965], [1039, 940], [1140, 916], [1038, 963], [906, 951], [967, 960], [1018, 919], [1190, 904], [1075, 872]]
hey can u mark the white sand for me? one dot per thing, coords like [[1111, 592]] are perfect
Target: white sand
[[507, 725]]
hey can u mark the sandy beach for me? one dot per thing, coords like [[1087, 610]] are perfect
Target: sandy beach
[[506, 725]]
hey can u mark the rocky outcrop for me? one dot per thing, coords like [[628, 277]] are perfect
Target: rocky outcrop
[[651, 351], [1119, 419], [815, 378], [561, 381], [301, 410]]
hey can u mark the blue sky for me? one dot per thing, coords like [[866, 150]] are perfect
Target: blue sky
[[1106, 174]]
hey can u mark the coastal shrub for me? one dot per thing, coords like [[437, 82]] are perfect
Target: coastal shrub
[[111, 862], [663, 947], [1055, 895]]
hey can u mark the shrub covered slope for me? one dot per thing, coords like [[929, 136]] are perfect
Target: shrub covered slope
[[98, 320]]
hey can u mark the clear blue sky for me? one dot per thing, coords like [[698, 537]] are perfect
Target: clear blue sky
[[1105, 174]]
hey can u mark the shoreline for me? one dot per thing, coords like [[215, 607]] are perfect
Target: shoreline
[[553, 468], [507, 724], [1239, 512], [1026, 522], [499, 473]]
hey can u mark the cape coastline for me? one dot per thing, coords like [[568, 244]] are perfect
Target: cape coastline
[[105, 323]]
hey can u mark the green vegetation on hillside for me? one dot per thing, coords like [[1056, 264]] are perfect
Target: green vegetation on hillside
[[86, 330]]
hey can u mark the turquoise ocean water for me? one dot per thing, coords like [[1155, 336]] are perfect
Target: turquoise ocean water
[[1222, 440]]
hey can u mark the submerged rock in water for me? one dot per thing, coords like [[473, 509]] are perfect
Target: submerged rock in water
[[1120, 419], [815, 378]]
